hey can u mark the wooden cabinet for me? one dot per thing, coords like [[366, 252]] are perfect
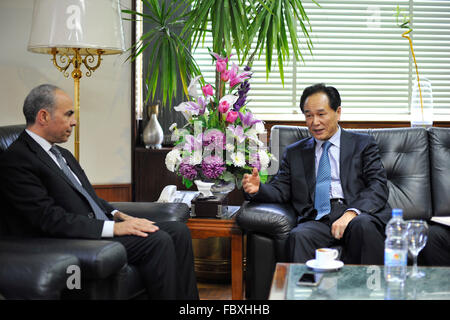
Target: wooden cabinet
[[151, 176]]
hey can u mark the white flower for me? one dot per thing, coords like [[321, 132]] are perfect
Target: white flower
[[188, 109], [259, 126], [172, 159], [252, 134], [264, 159], [229, 147], [238, 159], [196, 158], [173, 126], [230, 98], [193, 89]]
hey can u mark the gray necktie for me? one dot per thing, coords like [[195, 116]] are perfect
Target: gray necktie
[[99, 214]]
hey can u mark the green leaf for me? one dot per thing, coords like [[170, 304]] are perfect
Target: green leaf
[[188, 183], [263, 177]]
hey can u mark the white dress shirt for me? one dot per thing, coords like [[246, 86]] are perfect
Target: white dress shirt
[[108, 226], [334, 153]]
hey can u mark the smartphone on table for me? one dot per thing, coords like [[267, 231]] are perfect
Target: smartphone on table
[[310, 279]]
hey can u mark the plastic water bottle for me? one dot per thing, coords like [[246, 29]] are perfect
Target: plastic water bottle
[[395, 248]]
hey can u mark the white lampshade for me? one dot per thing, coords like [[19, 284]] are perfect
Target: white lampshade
[[84, 24]]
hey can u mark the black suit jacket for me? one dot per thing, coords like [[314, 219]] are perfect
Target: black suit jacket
[[362, 176], [39, 200]]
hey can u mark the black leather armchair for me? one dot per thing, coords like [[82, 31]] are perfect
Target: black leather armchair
[[417, 165], [37, 268]]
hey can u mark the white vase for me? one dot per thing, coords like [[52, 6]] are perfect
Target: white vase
[[153, 134], [422, 116], [204, 188]]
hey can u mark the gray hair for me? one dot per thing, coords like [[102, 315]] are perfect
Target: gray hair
[[41, 97]]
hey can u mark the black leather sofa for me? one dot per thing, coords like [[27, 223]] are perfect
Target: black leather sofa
[[37, 268], [417, 162]]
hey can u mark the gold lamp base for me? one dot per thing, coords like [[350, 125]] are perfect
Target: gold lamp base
[[76, 60]]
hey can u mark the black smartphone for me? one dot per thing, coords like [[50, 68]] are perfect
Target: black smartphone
[[310, 279]]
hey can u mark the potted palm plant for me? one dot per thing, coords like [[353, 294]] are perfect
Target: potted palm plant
[[179, 26]]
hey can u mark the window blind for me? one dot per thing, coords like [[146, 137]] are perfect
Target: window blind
[[357, 48], [431, 38]]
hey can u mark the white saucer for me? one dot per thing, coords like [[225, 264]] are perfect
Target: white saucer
[[334, 265]]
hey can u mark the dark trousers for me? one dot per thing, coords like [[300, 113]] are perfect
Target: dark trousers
[[165, 261], [363, 239], [437, 249]]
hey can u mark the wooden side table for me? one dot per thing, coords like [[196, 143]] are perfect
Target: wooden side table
[[202, 228]]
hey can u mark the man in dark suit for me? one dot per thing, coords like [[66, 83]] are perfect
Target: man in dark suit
[[47, 193], [348, 204], [437, 249]]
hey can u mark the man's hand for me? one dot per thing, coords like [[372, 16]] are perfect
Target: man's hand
[[128, 225], [338, 227], [119, 216], [250, 182]]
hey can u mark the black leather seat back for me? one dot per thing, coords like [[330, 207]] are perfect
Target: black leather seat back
[[8, 134], [439, 139], [404, 154], [280, 137]]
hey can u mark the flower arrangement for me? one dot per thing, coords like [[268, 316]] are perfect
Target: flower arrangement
[[220, 141]]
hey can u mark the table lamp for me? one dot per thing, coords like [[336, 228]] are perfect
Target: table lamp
[[76, 33]]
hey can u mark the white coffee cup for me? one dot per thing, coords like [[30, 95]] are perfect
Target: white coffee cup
[[325, 256]]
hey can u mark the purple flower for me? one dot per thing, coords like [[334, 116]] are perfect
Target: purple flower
[[247, 119], [192, 143], [187, 170], [189, 109], [238, 132], [254, 161], [242, 93], [212, 167], [213, 138]]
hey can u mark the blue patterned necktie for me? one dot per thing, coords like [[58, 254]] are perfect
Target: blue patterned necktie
[[323, 183], [99, 214]]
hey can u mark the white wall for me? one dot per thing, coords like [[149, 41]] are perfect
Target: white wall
[[105, 104]]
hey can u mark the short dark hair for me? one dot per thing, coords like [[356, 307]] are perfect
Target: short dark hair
[[40, 97], [333, 95]]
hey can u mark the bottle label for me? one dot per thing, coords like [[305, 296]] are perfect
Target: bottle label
[[395, 258]]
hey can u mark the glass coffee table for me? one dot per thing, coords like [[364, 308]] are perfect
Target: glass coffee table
[[358, 282]]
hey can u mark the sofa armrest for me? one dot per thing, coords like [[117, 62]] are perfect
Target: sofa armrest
[[273, 219], [97, 258], [34, 275], [155, 211]]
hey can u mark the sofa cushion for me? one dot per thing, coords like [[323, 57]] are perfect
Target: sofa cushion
[[439, 139], [405, 156]]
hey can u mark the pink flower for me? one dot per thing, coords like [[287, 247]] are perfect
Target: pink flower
[[236, 78], [225, 76], [221, 64], [232, 116], [207, 90], [224, 106]]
